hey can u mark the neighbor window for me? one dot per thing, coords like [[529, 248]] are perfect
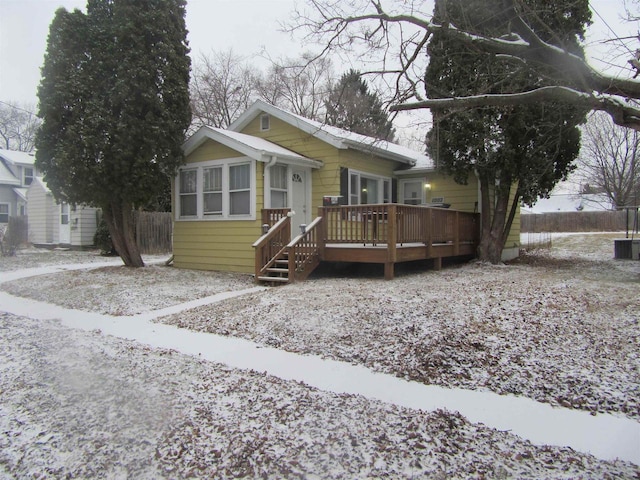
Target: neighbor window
[[4, 213], [278, 184], [216, 189], [64, 214], [28, 175], [368, 189]]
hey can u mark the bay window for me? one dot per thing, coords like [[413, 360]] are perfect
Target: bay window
[[216, 190]]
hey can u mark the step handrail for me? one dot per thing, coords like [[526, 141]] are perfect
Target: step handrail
[[304, 251], [271, 245]]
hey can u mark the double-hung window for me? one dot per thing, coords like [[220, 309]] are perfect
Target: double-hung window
[[212, 190], [4, 213], [28, 176], [216, 190], [188, 193], [368, 189], [412, 192], [240, 189]]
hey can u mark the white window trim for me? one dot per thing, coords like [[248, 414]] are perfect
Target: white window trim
[[226, 216], [401, 188], [380, 179]]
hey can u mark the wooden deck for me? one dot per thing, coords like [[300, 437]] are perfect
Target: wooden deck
[[386, 234]]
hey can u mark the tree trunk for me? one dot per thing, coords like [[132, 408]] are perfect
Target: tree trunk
[[119, 219], [494, 223]]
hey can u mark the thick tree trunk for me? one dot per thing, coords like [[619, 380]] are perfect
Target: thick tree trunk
[[119, 219], [494, 223]]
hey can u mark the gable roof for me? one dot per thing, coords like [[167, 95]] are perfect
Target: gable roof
[[254, 147], [6, 176], [17, 158], [337, 137]]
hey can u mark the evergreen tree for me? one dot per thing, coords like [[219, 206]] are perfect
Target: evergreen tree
[[518, 153], [352, 107], [114, 103]]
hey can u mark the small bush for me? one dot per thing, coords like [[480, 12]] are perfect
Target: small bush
[[102, 239]]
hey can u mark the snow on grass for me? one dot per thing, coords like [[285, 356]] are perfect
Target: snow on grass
[[79, 404], [559, 326]]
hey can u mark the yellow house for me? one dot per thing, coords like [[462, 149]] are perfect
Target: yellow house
[[270, 160]]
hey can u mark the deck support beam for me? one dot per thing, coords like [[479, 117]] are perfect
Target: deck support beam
[[389, 270]]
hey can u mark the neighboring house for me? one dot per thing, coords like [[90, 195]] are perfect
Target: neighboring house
[[52, 223], [272, 159], [17, 171]]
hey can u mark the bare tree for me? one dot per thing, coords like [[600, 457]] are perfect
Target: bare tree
[[18, 125], [222, 87], [610, 161], [394, 37], [300, 85]]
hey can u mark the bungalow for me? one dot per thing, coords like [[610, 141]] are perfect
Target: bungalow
[[274, 167], [58, 224]]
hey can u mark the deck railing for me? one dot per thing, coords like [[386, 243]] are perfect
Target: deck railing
[[271, 245], [270, 216], [397, 224], [305, 251]]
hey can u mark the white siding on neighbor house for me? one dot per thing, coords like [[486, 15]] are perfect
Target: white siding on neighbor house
[[41, 214], [83, 226]]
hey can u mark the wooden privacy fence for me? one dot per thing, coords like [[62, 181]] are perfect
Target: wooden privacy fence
[[606, 221], [154, 231]]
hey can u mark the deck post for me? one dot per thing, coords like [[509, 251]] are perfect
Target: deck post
[[456, 233], [392, 234], [437, 263], [429, 233], [389, 270], [322, 232]]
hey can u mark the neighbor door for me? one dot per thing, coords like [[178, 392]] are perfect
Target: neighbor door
[[65, 225]]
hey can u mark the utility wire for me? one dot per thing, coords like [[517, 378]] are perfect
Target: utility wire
[[17, 108]]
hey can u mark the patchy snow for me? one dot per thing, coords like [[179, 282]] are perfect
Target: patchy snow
[[552, 327]]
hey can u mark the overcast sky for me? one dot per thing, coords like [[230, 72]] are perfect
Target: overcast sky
[[247, 26]]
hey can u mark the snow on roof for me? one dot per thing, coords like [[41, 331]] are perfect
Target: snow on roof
[[569, 203], [254, 147], [6, 176], [21, 192], [335, 136], [14, 157]]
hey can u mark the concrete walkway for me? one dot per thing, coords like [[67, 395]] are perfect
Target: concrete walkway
[[605, 436]]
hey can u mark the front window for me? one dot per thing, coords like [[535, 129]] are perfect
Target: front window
[[368, 189], [216, 189], [240, 189], [28, 176], [4, 213], [212, 190], [188, 193], [278, 184]]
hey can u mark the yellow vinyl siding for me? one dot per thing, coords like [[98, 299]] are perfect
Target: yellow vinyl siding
[[211, 150], [222, 245], [460, 197]]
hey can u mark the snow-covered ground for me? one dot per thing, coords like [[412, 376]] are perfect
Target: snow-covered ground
[[559, 326]]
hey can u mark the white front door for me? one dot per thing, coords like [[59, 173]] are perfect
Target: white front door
[[65, 224], [300, 199]]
